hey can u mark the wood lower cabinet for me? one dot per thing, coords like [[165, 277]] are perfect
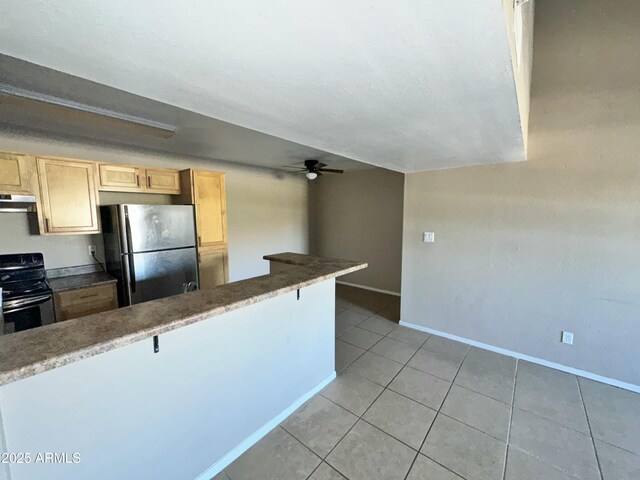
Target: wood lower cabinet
[[68, 196], [121, 178], [85, 301], [15, 174], [214, 267]]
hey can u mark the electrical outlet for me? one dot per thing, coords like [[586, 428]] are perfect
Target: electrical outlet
[[567, 337], [92, 249], [429, 237]]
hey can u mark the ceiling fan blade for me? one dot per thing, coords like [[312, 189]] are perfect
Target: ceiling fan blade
[[294, 168], [331, 170], [296, 172], [321, 165]]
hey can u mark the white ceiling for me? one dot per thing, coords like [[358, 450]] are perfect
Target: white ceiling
[[409, 85], [196, 135]]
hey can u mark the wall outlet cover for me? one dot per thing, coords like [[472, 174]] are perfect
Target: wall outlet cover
[[429, 237], [567, 337]]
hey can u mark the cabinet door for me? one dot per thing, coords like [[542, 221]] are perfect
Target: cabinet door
[[14, 174], [121, 178], [211, 208], [214, 268], [68, 196], [163, 181], [85, 301]]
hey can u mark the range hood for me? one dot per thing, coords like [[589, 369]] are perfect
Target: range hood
[[17, 203]]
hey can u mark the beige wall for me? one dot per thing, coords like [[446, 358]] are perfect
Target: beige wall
[[59, 251], [267, 212], [358, 215], [526, 250]]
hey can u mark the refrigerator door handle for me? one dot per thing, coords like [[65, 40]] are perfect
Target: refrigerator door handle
[[132, 275], [132, 268], [1, 314]]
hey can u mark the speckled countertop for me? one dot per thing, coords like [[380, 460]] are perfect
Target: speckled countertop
[[30, 352], [298, 259], [73, 282]]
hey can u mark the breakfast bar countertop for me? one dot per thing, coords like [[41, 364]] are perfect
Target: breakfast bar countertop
[[27, 353]]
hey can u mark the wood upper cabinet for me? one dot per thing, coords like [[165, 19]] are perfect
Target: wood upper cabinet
[[206, 190], [68, 196], [211, 208], [128, 178], [15, 173], [161, 180], [214, 267], [121, 178]]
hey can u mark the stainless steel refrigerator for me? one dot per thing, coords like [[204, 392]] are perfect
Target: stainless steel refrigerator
[[151, 250]]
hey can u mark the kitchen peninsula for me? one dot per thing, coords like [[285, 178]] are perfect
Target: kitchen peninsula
[[168, 377]]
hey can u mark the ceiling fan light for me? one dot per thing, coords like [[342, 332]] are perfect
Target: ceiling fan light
[[311, 175]]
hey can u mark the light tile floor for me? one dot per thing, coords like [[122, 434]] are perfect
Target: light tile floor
[[407, 405]]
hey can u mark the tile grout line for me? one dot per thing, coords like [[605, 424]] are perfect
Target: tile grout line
[[359, 417], [412, 399], [593, 440], [353, 344], [314, 470], [363, 413], [352, 361], [438, 411], [513, 401], [478, 393], [615, 446], [471, 426], [301, 443], [436, 417], [323, 459], [545, 462], [562, 425], [535, 414], [387, 386]]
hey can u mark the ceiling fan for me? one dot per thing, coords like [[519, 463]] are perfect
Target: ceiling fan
[[313, 168]]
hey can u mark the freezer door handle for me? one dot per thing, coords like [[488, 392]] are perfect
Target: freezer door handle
[[132, 268], [1, 314]]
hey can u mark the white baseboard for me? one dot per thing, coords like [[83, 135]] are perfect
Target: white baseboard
[[364, 287], [528, 358], [255, 437]]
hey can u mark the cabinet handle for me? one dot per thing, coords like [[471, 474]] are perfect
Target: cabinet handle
[[148, 182], [138, 179], [46, 225], [89, 296], [199, 241]]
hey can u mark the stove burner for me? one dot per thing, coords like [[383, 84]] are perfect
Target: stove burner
[[23, 275]]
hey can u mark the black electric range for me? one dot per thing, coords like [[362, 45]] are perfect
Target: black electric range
[[27, 301]]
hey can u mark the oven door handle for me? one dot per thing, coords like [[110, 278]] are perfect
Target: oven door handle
[[18, 305]]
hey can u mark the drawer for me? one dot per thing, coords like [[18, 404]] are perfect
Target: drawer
[[85, 301]]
